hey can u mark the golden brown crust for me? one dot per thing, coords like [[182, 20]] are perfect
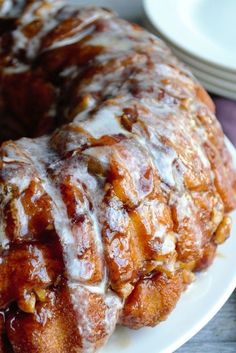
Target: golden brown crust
[[52, 328], [152, 300]]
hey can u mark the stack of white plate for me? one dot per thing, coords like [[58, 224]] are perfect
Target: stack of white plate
[[202, 33]]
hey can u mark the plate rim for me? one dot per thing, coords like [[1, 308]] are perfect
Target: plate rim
[[216, 81], [147, 4], [188, 58], [202, 66], [217, 90]]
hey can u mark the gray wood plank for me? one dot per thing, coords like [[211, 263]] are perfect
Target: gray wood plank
[[219, 336], [222, 347]]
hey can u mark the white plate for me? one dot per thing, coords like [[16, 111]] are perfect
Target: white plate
[[206, 68], [216, 81], [191, 60], [229, 86], [204, 28], [195, 309], [219, 82], [216, 90]]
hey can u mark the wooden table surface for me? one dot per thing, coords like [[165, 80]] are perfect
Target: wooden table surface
[[219, 336]]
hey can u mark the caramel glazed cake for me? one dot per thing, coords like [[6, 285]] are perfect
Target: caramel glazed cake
[[120, 188]]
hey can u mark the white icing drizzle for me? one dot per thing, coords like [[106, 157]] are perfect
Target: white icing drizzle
[[41, 156], [85, 324], [115, 38], [96, 193], [101, 153], [46, 13], [6, 7], [22, 217], [20, 41], [16, 69], [71, 72], [21, 184], [41, 10], [104, 122], [186, 211], [3, 237], [40, 150], [10, 8], [39, 153], [34, 12], [168, 245], [105, 39], [72, 39], [81, 32]]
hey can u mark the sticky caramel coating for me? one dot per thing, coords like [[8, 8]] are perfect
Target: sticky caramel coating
[[53, 326], [151, 300], [119, 190]]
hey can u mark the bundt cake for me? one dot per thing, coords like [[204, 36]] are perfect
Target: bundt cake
[[119, 186]]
